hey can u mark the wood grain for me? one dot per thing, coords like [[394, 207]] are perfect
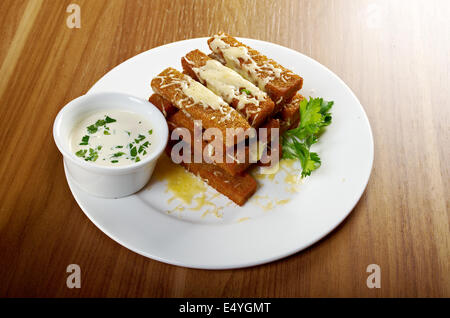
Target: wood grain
[[393, 54]]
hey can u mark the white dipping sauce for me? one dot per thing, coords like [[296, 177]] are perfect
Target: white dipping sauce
[[112, 138]]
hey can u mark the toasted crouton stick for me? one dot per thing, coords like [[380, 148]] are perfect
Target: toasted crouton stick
[[254, 104], [237, 188], [234, 168], [280, 83], [180, 119], [199, 102], [290, 114], [163, 105]]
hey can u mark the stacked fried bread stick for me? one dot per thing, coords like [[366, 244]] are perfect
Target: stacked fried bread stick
[[233, 87]]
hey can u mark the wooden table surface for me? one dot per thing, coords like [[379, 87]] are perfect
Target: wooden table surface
[[393, 54]]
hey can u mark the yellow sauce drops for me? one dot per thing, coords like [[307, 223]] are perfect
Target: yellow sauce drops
[[215, 210], [191, 190], [293, 176], [182, 184], [288, 163], [258, 176], [186, 187], [263, 201], [292, 179]]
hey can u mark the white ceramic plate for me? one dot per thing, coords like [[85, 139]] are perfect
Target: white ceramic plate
[[278, 221]]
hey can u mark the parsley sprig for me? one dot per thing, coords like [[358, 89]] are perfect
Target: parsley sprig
[[314, 116]]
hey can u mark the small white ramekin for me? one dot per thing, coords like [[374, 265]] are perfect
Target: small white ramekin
[[106, 181]]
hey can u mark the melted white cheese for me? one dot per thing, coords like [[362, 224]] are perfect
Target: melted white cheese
[[202, 95], [249, 69], [198, 93], [227, 83]]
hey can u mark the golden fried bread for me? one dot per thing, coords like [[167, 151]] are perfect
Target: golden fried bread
[[233, 87], [163, 105], [280, 83], [290, 114], [180, 119], [254, 104], [199, 102]]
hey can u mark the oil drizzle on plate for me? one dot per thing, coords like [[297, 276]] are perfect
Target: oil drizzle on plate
[[287, 172], [187, 188], [192, 193], [182, 184]]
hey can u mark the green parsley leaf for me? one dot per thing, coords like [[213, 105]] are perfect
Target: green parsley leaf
[[93, 155], [295, 149], [143, 146], [150, 131], [314, 115], [92, 129], [133, 152], [118, 154], [246, 91], [325, 111], [100, 122], [114, 161], [81, 152], [109, 120], [139, 138], [84, 140]]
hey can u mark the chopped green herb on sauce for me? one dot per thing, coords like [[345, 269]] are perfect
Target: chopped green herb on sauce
[[139, 139], [93, 155], [100, 122], [92, 129], [118, 154], [84, 140], [81, 152], [101, 144], [110, 120]]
